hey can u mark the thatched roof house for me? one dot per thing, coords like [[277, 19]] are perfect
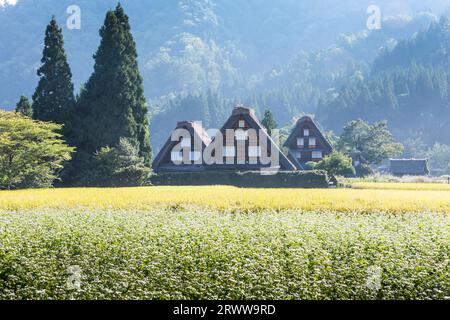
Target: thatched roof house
[[173, 152], [306, 143], [243, 150]]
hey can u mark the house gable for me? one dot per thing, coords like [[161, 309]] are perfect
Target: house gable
[[307, 143], [199, 140], [241, 120]]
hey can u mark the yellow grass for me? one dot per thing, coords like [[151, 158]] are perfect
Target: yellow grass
[[402, 186], [375, 199]]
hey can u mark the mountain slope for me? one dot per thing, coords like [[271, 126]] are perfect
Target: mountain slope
[[185, 46], [409, 87]]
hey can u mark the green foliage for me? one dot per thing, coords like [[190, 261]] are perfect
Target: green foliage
[[428, 45], [110, 121], [414, 148], [203, 254], [311, 165], [374, 142], [188, 52], [269, 122], [53, 98], [31, 152], [363, 170], [112, 105], [189, 47], [120, 166], [330, 136], [409, 98], [336, 164], [439, 157], [24, 107]]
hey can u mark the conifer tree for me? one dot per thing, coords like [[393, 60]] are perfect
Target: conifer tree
[[268, 121], [24, 107], [113, 100], [140, 110], [53, 97]]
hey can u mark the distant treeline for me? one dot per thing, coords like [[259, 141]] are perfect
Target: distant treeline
[[414, 100]]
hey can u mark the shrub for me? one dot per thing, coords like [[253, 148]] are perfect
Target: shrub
[[120, 166], [311, 165], [337, 164], [363, 170], [254, 179]]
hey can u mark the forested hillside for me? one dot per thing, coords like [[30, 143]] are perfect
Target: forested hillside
[[409, 87], [186, 46], [201, 57], [318, 82], [429, 46]]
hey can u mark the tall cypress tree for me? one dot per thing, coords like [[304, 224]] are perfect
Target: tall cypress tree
[[139, 105], [113, 100], [54, 96]]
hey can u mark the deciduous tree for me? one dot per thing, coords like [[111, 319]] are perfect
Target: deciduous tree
[[31, 152], [374, 142]]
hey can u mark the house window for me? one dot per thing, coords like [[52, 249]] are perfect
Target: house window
[[254, 151], [312, 142], [306, 132], [300, 142], [299, 155], [229, 152], [185, 142], [241, 124], [317, 155], [176, 156], [241, 135]]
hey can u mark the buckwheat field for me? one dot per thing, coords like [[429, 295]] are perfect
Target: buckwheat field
[[376, 241]]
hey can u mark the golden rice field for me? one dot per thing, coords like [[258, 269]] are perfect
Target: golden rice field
[[365, 197], [402, 186]]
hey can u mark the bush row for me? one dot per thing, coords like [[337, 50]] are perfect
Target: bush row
[[253, 179]]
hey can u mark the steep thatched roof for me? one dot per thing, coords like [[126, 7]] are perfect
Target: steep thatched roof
[[249, 115], [195, 128], [296, 131]]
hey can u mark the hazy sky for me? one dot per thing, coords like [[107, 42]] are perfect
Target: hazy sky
[[5, 2]]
